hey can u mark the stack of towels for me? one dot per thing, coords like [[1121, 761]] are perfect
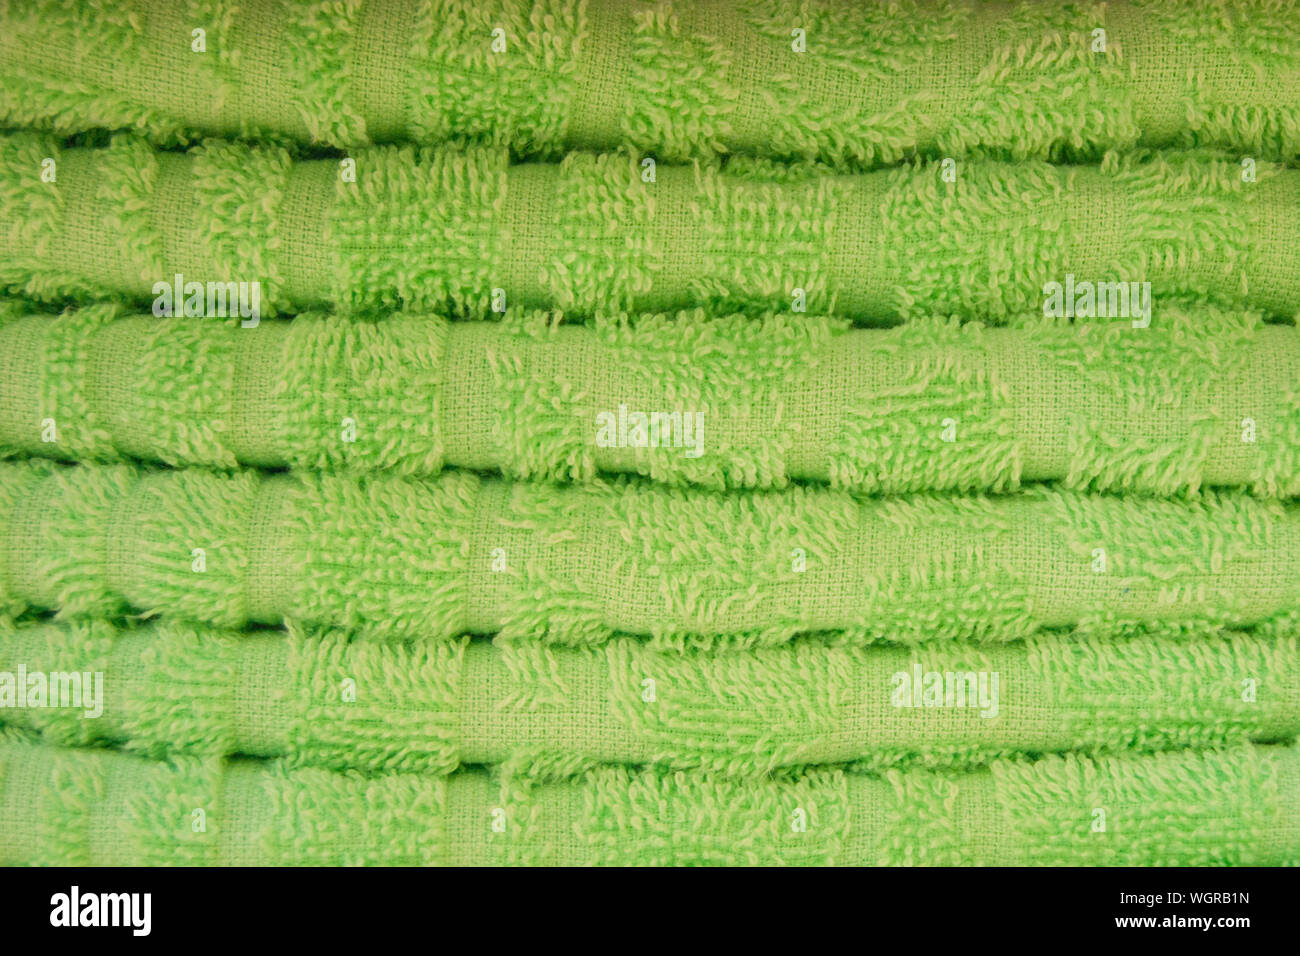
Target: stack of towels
[[554, 432]]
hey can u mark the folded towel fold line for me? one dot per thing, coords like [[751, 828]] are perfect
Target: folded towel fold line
[[403, 557], [1233, 806], [318, 699], [1203, 397]]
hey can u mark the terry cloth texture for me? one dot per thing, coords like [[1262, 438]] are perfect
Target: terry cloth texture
[[847, 83], [544, 432], [1201, 397], [464, 232], [1235, 806], [434, 706], [402, 558]]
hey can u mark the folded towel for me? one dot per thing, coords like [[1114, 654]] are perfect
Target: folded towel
[[603, 581], [1201, 397], [854, 83], [1187, 808], [432, 706], [462, 230], [401, 557]]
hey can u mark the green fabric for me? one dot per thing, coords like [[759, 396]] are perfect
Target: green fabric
[[433, 706], [407, 558], [439, 229], [1203, 397], [875, 83], [1187, 808], [922, 572]]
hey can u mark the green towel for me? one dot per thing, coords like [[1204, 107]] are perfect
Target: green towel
[[432, 706], [1201, 397], [858, 83], [1236, 806], [408, 558], [682, 557], [440, 230]]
